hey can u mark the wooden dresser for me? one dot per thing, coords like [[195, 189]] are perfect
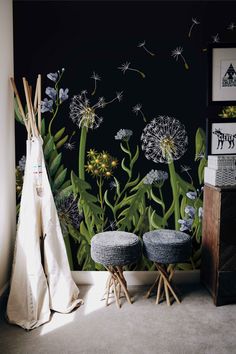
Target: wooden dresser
[[218, 269]]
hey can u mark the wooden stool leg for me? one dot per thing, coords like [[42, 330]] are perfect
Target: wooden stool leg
[[148, 293], [117, 282], [167, 276], [159, 288]]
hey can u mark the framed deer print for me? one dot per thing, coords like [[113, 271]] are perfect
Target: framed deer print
[[221, 136], [222, 74]]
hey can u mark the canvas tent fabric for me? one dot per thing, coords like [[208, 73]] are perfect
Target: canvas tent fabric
[[41, 278]]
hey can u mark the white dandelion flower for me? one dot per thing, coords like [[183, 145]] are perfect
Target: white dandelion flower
[[84, 114], [143, 45], [164, 139]]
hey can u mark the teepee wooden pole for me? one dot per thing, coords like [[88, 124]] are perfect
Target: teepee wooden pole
[[25, 84], [20, 105], [39, 104]]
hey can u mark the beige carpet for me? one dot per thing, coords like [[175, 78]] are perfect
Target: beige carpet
[[194, 327]]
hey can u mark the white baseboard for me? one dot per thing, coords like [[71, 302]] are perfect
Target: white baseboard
[[133, 278]]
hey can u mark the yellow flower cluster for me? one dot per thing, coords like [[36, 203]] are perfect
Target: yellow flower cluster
[[228, 112], [100, 164]]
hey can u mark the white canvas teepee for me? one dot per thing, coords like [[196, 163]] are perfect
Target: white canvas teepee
[[41, 278]]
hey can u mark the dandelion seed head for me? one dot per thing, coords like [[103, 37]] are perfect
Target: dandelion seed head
[[69, 146], [119, 95], [137, 108], [124, 67], [176, 52], [164, 139], [231, 26], [216, 38], [142, 44], [195, 21], [95, 77], [185, 168]]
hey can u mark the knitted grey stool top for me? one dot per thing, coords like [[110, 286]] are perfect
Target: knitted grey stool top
[[115, 248], [167, 246]]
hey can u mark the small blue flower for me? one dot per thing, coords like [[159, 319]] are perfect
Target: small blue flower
[[53, 76], [186, 224], [21, 164], [190, 211], [192, 195], [51, 92], [63, 94], [46, 105], [200, 212]]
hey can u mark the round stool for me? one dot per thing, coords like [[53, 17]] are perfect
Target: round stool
[[114, 250], [166, 248]]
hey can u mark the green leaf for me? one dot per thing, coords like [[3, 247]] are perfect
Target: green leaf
[[156, 199], [133, 208], [135, 158], [107, 201], [62, 142], [117, 186], [201, 166], [126, 169], [59, 134], [49, 147], [154, 219], [125, 149], [43, 127], [18, 116], [183, 185], [92, 212], [74, 233], [60, 169], [58, 181], [84, 232], [134, 182], [200, 142], [54, 165]]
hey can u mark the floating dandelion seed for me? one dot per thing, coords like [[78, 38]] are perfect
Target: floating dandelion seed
[[84, 114], [96, 78], [138, 109], [178, 52], [199, 156], [70, 146], [231, 26], [195, 22], [216, 38], [143, 45], [126, 66], [164, 139], [186, 169]]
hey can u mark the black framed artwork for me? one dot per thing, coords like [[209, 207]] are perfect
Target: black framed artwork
[[221, 136], [222, 74]]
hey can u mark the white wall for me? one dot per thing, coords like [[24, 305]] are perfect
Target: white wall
[[7, 145]]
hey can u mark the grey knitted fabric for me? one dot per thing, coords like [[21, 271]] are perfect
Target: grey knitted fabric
[[115, 248], [167, 246]]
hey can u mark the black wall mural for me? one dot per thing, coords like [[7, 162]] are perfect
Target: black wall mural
[[124, 88]]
